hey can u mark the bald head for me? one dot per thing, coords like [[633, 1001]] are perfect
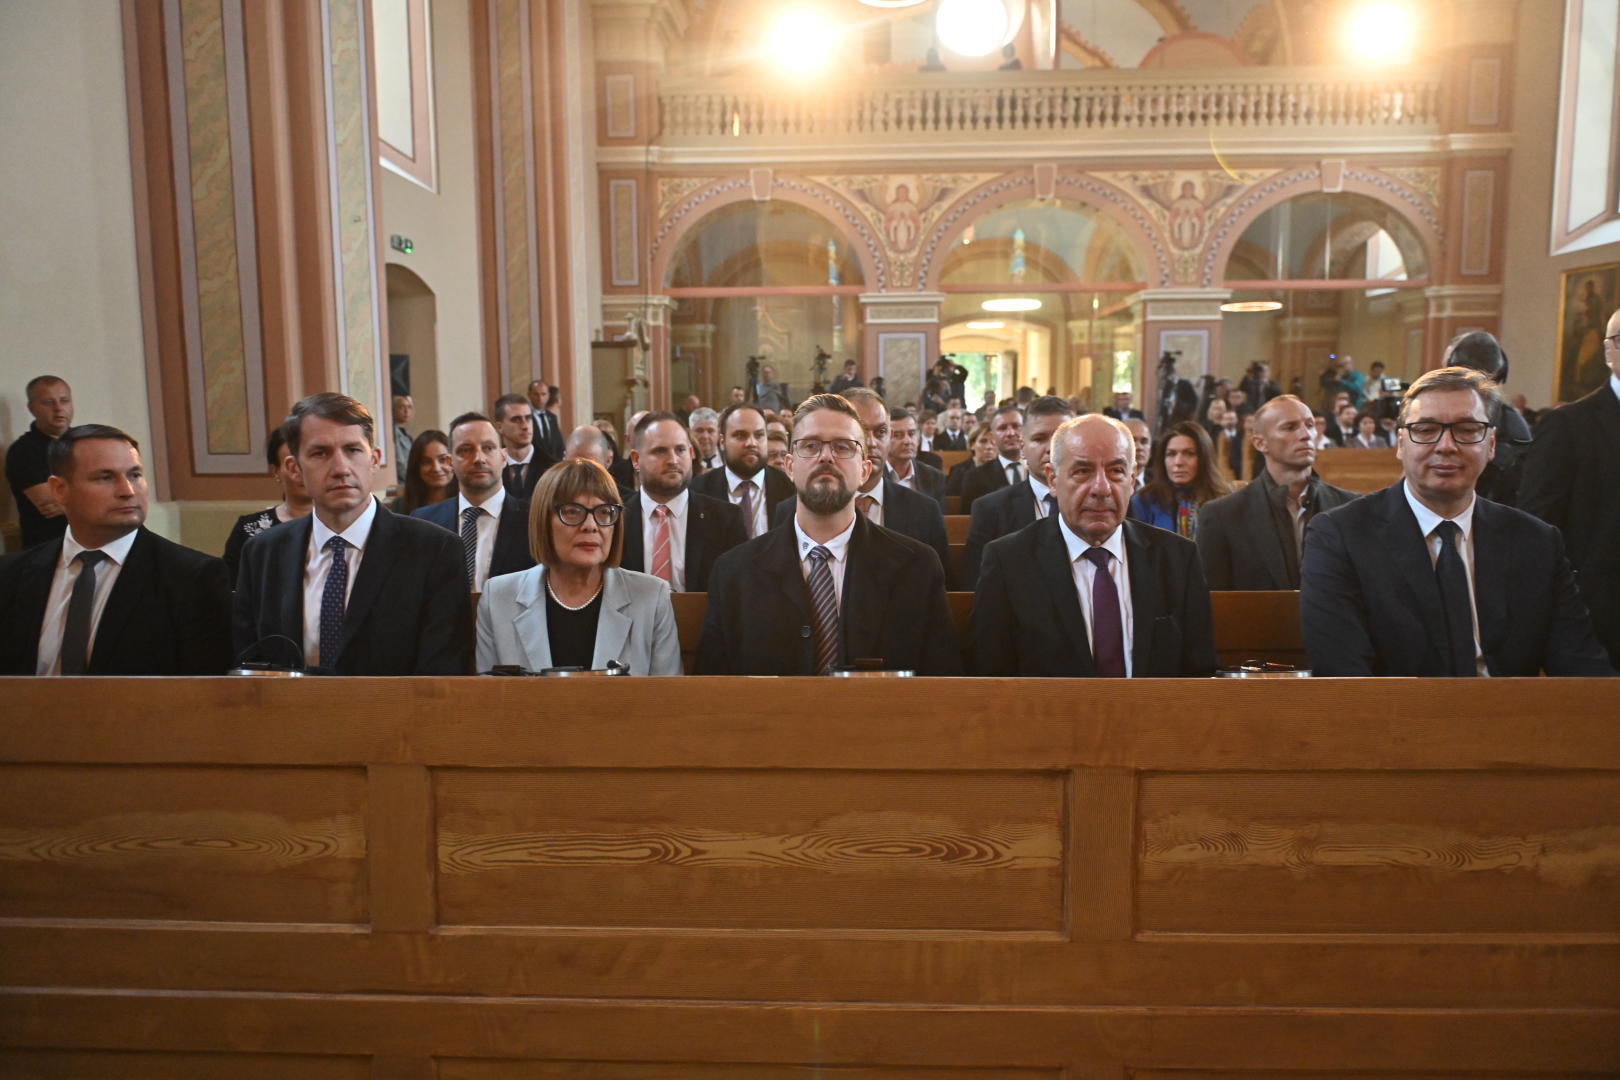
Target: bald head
[[586, 441], [1089, 427], [1270, 414]]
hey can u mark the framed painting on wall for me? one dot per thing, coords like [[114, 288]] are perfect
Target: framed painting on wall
[[1585, 301]]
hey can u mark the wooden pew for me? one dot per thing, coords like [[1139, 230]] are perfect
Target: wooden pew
[[949, 458], [956, 527], [630, 879], [1358, 470], [1248, 625]]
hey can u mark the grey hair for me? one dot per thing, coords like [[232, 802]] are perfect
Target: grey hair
[[704, 415], [1454, 378], [1060, 436]]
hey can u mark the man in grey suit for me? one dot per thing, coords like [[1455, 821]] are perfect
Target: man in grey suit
[[1252, 539]]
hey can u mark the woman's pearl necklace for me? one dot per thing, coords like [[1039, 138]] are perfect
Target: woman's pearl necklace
[[572, 607]]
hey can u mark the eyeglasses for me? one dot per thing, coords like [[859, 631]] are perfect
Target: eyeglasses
[[1613, 339], [606, 515], [1462, 431], [843, 449]]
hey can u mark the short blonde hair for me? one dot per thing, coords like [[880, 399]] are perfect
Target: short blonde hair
[[565, 482]]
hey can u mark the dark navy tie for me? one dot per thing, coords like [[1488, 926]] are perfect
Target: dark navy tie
[[1051, 504], [469, 543], [333, 598], [1452, 577], [81, 602]]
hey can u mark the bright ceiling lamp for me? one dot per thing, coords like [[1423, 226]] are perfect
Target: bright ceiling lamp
[[1012, 303], [972, 27], [801, 43], [1381, 32], [1252, 305], [986, 324], [892, 3]]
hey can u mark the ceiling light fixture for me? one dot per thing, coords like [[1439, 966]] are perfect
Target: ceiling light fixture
[[1014, 303], [801, 43], [972, 27], [1252, 305], [986, 324], [892, 3], [1381, 32]]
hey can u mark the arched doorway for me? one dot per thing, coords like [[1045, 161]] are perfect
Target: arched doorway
[[413, 352]]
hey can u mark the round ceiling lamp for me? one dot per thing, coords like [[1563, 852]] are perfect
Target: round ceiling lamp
[[1012, 303], [892, 3], [973, 27], [801, 43], [1381, 32], [1253, 305], [986, 324]]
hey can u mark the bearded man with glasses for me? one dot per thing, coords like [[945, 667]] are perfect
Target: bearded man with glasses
[[1426, 578], [831, 589]]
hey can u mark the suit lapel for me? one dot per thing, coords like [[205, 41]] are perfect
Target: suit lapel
[[1052, 558], [894, 509], [291, 557], [1492, 563], [697, 524], [613, 622], [862, 600], [1608, 413], [133, 584], [33, 593], [529, 622], [382, 548], [1409, 551], [634, 558], [1023, 510], [1147, 601], [1261, 528]]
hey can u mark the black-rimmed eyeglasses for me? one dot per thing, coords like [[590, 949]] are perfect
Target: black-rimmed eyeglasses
[[606, 515], [843, 449], [1462, 431]]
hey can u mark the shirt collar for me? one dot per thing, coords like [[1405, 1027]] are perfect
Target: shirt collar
[[733, 480], [1614, 384], [1079, 545], [1040, 489], [355, 534], [491, 506], [1006, 461], [117, 551], [876, 492], [838, 546], [909, 475], [677, 505], [513, 459], [1427, 519]]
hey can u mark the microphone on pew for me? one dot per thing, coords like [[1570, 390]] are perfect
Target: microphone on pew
[[244, 666]]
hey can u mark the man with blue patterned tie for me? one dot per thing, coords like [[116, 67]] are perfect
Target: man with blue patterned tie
[[831, 589], [360, 590]]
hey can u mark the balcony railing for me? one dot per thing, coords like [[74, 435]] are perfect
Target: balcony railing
[[1036, 103]]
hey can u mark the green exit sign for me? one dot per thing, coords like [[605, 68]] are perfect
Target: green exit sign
[[401, 244]]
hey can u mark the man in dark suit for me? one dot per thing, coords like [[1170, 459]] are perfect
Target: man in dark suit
[[1389, 581], [832, 589], [1252, 538], [1007, 467], [108, 597], [670, 531], [745, 481], [910, 471], [1569, 480], [952, 431], [548, 437], [360, 590], [705, 429], [525, 461], [1009, 509], [492, 525], [1121, 408], [1084, 592]]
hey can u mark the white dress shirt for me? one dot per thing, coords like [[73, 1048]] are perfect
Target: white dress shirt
[[489, 523], [49, 661], [1085, 575], [317, 561], [909, 480], [1005, 462], [677, 537], [1041, 492], [734, 482], [512, 459], [837, 547], [875, 514], [1428, 521]]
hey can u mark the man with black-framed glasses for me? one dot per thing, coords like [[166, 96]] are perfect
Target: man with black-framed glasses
[[1426, 578], [1569, 481], [832, 589]]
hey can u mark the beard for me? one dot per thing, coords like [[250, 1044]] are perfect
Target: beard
[[824, 500], [654, 484], [743, 467]]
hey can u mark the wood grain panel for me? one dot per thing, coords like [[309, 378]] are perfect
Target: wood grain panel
[[872, 850], [135, 1065], [1349, 852], [150, 842], [1294, 1074], [467, 1069]]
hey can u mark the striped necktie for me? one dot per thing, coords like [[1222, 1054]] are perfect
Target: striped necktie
[[469, 543], [661, 565], [825, 600]]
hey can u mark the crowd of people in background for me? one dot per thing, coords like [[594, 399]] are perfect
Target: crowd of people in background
[[817, 529]]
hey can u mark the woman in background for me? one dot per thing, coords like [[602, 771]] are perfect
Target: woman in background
[[982, 445], [429, 477], [1185, 477], [295, 502]]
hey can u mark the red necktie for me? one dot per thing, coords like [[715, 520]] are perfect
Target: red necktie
[[660, 547]]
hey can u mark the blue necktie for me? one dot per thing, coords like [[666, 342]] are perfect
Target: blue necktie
[[333, 598]]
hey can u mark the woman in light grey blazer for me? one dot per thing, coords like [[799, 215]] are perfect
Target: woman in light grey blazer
[[577, 608]]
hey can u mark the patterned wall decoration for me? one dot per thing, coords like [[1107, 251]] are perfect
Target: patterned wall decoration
[[511, 113], [1182, 205], [1423, 179], [351, 157], [214, 216], [901, 209], [624, 231], [900, 362], [672, 189], [1479, 213]]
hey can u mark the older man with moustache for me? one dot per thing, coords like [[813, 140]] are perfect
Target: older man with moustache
[[1252, 539], [1425, 578], [671, 532], [832, 589], [493, 526], [1085, 592], [1009, 509], [1569, 481]]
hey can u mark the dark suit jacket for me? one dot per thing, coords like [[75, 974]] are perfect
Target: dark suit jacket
[[713, 527], [1128, 414], [1027, 618], [933, 461], [958, 476], [778, 489], [168, 612], [982, 480], [1569, 480], [1000, 513], [760, 622], [929, 480], [409, 611], [538, 464], [511, 552], [1239, 542], [946, 440], [904, 511], [1370, 603], [548, 436]]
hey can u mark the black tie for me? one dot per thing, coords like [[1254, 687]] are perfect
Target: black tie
[[1051, 504], [1452, 578], [469, 543], [76, 635]]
